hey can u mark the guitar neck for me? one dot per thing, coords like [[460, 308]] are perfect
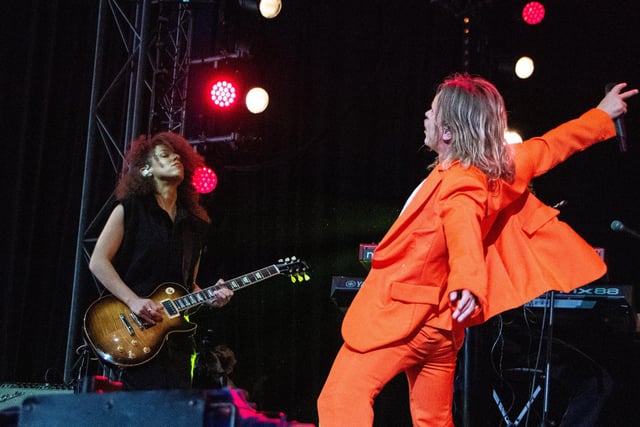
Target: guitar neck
[[197, 298]]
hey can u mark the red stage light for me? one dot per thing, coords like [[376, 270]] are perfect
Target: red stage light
[[223, 93], [205, 180], [533, 13]]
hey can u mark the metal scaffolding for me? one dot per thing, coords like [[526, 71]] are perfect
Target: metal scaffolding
[[140, 76]]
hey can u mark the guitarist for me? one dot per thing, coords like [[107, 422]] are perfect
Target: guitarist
[[155, 235]]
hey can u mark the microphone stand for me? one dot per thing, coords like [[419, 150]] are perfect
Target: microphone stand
[[547, 375]]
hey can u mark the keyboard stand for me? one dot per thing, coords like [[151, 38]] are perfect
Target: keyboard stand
[[547, 376], [522, 413], [549, 303]]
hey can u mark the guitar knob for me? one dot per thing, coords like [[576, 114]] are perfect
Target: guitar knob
[[120, 349], [134, 342], [146, 350], [131, 355]]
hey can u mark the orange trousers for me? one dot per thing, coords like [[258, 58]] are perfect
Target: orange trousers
[[428, 358]]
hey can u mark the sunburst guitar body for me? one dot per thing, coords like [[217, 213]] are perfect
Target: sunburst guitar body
[[118, 336]]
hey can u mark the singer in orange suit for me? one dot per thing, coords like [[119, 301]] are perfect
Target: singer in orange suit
[[470, 242]]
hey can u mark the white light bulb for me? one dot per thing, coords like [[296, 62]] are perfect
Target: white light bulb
[[257, 100], [524, 67]]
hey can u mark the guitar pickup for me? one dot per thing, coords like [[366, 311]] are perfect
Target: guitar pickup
[[170, 308]]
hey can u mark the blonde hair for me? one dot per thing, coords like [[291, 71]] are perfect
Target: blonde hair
[[473, 111]]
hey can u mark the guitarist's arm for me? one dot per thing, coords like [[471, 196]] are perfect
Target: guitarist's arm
[[102, 268]]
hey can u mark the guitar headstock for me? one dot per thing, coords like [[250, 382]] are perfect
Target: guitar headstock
[[295, 268]]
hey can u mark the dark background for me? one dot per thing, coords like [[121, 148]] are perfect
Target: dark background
[[340, 149]]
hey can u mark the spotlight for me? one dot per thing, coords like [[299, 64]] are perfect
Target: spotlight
[[204, 180], [524, 67], [223, 93], [512, 136], [270, 8], [257, 100], [533, 13], [267, 8]]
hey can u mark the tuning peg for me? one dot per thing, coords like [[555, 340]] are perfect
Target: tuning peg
[[299, 277]]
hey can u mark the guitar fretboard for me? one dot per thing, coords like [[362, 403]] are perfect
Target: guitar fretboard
[[208, 294]]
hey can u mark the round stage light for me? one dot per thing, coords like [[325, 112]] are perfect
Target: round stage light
[[270, 8], [204, 180], [533, 13], [257, 100], [223, 93], [512, 136], [524, 67]]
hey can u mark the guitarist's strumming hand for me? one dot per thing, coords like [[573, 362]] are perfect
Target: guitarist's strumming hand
[[146, 309], [222, 295]]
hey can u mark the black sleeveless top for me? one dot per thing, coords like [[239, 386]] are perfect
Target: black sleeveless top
[[155, 249]]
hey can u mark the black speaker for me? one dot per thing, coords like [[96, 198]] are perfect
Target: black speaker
[[139, 408], [12, 394], [225, 407]]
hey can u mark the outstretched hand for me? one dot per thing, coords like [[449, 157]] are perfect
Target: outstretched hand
[[614, 101], [464, 303]]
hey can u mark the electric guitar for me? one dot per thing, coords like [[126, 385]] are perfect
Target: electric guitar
[[118, 336]]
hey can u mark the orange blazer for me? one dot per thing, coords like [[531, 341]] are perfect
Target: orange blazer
[[460, 232]]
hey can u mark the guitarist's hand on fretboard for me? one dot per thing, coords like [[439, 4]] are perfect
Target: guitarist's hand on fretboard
[[221, 297]]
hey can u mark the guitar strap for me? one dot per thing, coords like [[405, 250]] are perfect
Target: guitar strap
[[188, 250], [192, 248]]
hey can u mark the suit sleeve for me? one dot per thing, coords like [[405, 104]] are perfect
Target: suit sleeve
[[463, 206], [538, 155]]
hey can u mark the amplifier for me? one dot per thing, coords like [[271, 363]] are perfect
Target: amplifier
[[14, 394]]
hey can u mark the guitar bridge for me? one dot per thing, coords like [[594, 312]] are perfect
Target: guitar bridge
[[126, 324]]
